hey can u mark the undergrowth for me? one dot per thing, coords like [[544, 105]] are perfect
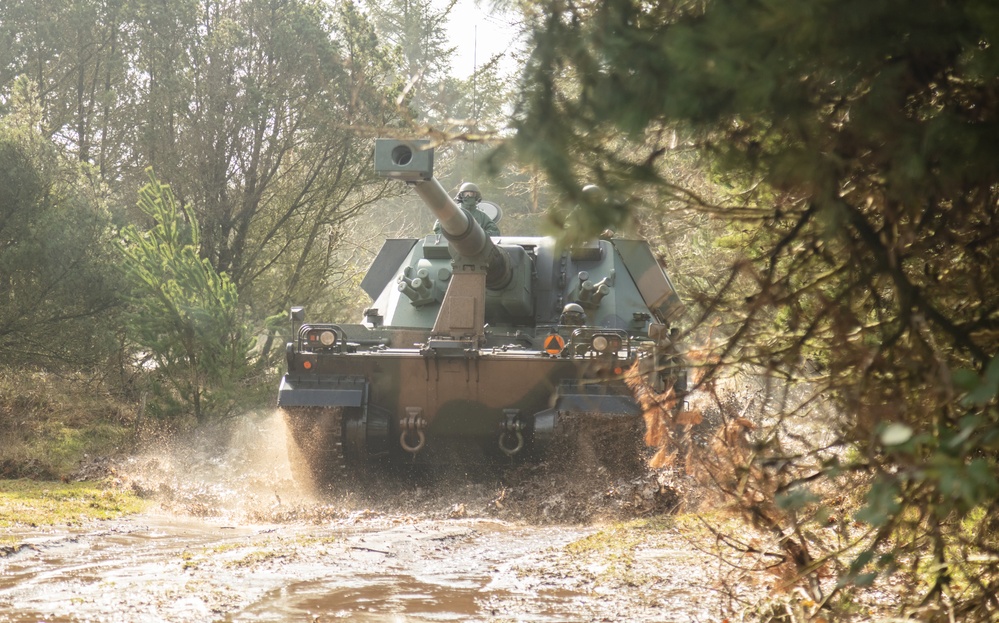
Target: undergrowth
[[51, 424]]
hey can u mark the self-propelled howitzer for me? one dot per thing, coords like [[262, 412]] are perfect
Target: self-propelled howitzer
[[477, 348]]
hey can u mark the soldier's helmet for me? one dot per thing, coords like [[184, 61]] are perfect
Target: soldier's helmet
[[573, 315], [468, 189]]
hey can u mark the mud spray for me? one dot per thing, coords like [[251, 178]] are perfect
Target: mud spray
[[238, 469], [239, 472]]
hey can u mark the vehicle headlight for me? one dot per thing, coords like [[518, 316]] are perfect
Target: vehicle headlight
[[606, 343], [320, 338], [600, 343]]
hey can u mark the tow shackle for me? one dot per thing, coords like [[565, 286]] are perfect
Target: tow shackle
[[511, 437], [412, 424], [517, 446], [421, 440]]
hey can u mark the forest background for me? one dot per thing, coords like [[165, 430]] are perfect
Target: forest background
[[820, 179]]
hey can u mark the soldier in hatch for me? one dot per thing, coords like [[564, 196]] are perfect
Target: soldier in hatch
[[468, 197]]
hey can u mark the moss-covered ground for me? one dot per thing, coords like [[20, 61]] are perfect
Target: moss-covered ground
[[47, 503]]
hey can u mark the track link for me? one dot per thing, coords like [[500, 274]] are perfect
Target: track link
[[315, 446]]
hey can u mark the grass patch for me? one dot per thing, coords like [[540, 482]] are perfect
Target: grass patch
[[610, 552], [257, 557], [49, 424], [243, 554], [614, 541], [43, 503]]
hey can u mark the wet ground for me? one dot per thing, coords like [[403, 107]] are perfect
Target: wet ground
[[230, 537], [165, 568]]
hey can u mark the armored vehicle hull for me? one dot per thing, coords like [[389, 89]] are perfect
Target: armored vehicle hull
[[469, 352]]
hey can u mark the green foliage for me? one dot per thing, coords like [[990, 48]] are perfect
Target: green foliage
[[185, 314], [858, 144], [980, 389], [417, 29], [58, 286], [257, 112]]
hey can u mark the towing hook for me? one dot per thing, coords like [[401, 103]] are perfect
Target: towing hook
[[517, 447], [511, 439], [421, 440], [412, 424]]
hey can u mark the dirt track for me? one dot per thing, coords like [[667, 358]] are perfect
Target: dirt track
[[232, 539], [160, 568]]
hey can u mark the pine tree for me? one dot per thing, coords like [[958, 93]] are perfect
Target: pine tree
[[185, 314]]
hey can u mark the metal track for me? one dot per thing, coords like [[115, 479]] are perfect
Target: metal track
[[593, 440], [315, 446]]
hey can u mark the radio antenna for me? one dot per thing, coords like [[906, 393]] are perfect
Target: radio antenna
[[475, 77]]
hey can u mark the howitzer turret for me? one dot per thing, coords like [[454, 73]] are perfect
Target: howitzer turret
[[478, 263], [478, 348], [412, 162]]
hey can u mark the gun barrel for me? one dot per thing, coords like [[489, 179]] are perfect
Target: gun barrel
[[413, 162], [464, 234]]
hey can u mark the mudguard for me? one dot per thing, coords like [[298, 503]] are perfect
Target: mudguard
[[322, 391], [603, 398], [575, 397]]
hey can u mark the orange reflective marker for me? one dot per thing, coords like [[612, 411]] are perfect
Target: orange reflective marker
[[307, 364], [554, 344]]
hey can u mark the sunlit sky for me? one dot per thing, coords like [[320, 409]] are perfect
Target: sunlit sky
[[479, 35]]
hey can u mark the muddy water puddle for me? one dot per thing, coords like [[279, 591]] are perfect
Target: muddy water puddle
[[233, 540], [162, 568]]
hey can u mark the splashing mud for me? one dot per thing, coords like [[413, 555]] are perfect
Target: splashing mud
[[234, 470], [233, 538], [241, 472]]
